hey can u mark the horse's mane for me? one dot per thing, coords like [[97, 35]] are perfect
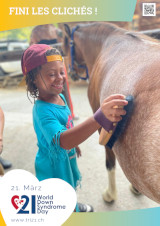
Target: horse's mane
[[100, 30]]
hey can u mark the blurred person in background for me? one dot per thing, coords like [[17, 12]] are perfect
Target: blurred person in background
[[3, 163]]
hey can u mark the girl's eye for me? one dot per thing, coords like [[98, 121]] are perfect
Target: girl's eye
[[62, 73], [51, 75]]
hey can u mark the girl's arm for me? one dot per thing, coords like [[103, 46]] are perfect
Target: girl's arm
[[76, 135]]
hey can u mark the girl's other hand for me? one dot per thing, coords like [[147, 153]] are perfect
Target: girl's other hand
[[78, 151]]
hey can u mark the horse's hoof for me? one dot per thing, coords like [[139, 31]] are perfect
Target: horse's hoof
[[1, 170], [134, 190], [108, 197]]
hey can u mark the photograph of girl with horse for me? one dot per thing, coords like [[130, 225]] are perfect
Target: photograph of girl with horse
[[113, 60], [127, 62]]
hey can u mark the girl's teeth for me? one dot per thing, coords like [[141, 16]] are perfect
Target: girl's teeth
[[58, 86]]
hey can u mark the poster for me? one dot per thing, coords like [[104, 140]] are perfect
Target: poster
[[20, 145]]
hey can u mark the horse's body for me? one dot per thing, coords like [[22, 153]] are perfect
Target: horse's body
[[128, 63]]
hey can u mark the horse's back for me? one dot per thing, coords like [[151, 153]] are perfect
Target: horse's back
[[131, 67]]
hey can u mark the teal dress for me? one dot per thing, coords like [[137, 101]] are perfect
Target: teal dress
[[52, 161]]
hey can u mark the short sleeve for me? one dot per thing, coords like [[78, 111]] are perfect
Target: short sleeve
[[50, 126]]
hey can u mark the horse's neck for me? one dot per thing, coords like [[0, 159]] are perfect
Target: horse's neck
[[89, 50], [90, 41]]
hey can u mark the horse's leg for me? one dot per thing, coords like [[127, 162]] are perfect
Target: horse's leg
[[1, 170], [110, 194]]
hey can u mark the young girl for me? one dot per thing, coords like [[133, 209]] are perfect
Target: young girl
[[57, 138]]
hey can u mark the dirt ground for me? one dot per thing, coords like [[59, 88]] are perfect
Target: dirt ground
[[20, 148]]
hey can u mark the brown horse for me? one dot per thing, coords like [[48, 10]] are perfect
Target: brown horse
[[46, 33], [120, 61]]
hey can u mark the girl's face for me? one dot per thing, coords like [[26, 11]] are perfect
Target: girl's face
[[51, 78]]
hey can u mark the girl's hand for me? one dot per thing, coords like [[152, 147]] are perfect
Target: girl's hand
[[78, 151], [112, 107]]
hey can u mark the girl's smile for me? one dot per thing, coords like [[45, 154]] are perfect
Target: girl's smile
[[57, 86]]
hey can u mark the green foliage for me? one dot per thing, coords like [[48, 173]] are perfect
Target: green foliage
[[20, 34]]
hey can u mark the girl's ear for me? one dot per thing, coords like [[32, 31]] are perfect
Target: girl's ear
[[67, 30]]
